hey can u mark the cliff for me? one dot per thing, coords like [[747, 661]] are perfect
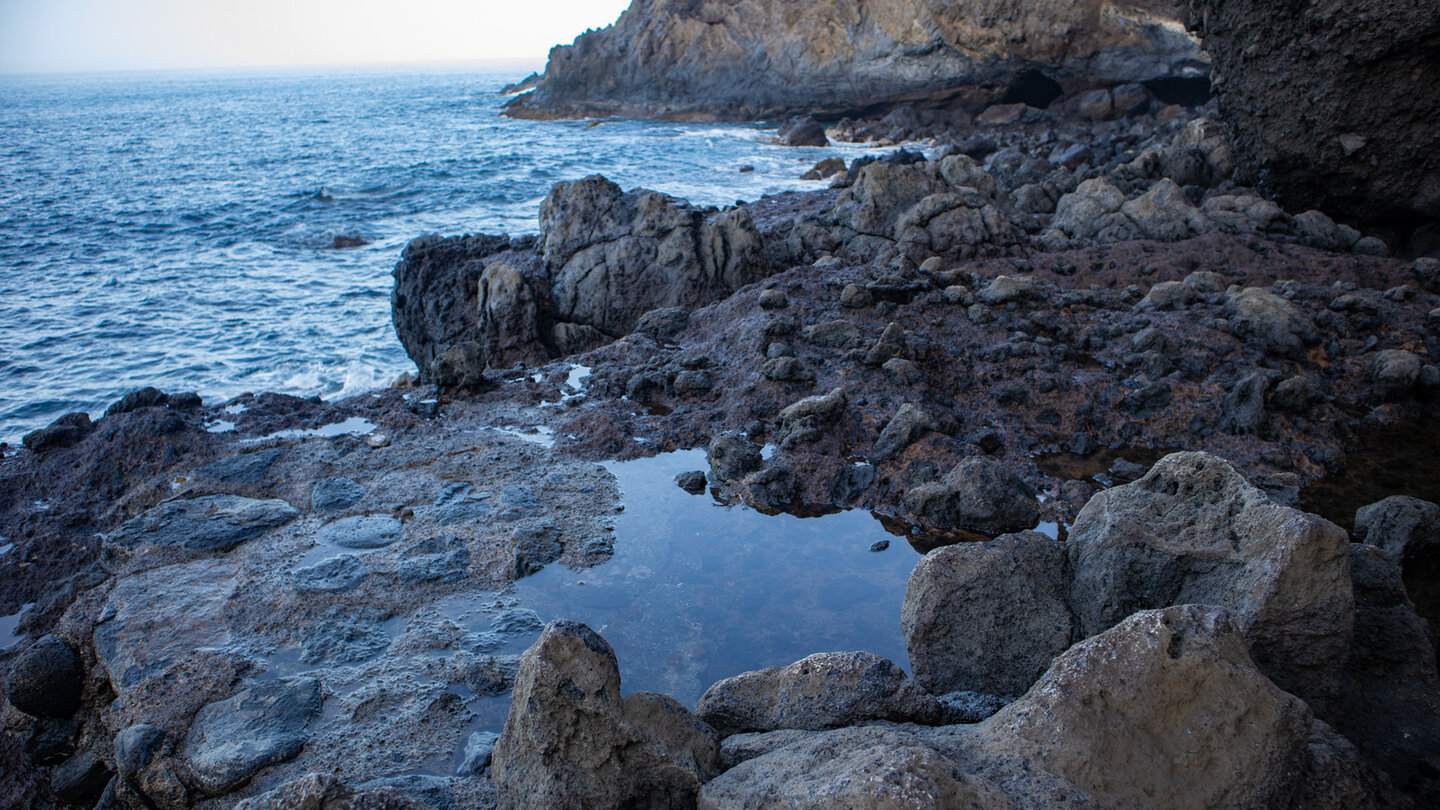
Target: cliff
[[750, 60]]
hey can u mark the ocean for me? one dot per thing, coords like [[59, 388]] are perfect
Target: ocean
[[179, 230]]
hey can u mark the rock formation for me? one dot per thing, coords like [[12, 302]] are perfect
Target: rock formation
[[1332, 104], [752, 60]]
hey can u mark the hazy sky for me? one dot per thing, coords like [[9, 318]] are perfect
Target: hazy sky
[[65, 35]]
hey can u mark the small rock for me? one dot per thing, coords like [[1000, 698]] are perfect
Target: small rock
[[786, 369], [534, 548], [802, 131], [1167, 295], [67, 431], [979, 494], [1005, 289], [135, 400], [908, 425], [334, 494], [732, 456], [1297, 394], [1370, 246], [879, 545], [479, 746], [232, 739], [362, 531], [855, 296], [342, 573], [1394, 372], [805, 421], [773, 299], [664, 324], [692, 482], [901, 371]]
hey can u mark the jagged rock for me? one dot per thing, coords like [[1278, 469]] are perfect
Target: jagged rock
[[904, 428], [825, 690], [1243, 409], [664, 324], [1269, 322], [678, 59], [978, 494], [732, 456], [534, 548], [461, 366], [433, 303], [213, 523], [738, 748], [81, 779], [571, 742], [479, 747], [1330, 103], [266, 723], [1004, 289], [67, 431], [987, 617], [143, 766], [1399, 524], [772, 488], [891, 344], [805, 421], [509, 311], [1173, 686], [873, 768], [1297, 394], [1163, 213], [46, 679], [802, 131], [1093, 209], [135, 400], [1193, 530], [614, 256]]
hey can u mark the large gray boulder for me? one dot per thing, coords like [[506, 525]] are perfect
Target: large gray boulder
[[1193, 530], [825, 690], [1163, 710], [1269, 322], [987, 617], [570, 741], [433, 302], [752, 60]]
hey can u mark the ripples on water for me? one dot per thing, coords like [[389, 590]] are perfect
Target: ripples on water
[[176, 231]]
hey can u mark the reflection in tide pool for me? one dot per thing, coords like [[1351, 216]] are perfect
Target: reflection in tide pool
[[697, 591]]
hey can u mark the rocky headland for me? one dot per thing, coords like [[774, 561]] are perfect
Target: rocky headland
[[1156, 410]]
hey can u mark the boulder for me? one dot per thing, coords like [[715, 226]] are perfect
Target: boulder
[[509, 311], [872, 768], [732, 456], [1400, 525], [213, 523], [802, 131], [46, 680], [1193, 530], [67, 431], [1269, 322], [461, 366], [752, 60], [433, 302], [1394, 372], [1172, 686], [980, 495], [987, 617], [1331, 103], [231, 740], [825, 690], [570, 741]]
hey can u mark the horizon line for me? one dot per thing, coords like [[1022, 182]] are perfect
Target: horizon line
[[519, 61]]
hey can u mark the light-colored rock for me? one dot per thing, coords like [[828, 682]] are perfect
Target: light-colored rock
[[853, 768], [1394, 372], [1167, 295], [1193, 530], [987, 617], [1269, 322], [1163, 710], [805, 421], [571, 742], [1164, 213], [825, 690], [904, 428]]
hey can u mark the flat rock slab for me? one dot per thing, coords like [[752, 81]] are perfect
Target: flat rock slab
[[232, 739], [362, 531], [211, 523]]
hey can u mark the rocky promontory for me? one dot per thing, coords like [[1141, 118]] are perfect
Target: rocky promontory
[[753, 60]]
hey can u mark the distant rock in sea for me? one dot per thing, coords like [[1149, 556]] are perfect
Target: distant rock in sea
[[751, 60]]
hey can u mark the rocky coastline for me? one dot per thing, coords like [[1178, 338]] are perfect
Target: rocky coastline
[[1157, 417]]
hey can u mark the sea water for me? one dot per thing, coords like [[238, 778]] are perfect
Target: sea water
[[179, 230]]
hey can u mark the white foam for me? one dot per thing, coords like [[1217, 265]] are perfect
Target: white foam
[[236, 409], [5, 549], [360, 379], [219, 426], [354, 426]]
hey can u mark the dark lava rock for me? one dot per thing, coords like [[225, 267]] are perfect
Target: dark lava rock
[[135, 400], [333, 494], [802, 131], [692, 482], [434, 303], [664, 324], [232, 739], [46, 680], [535, 548], [979, 494], [362, 531], [340, 574], [67, 431], [52, 740], [732, 456], [210, 523], [1333, 104], [1243, 410], [81, 779], [442, 558]]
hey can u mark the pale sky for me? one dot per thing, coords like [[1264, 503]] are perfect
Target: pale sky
[[70, 35]]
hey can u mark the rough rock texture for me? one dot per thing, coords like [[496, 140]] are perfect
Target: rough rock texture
[[206, 524], [1172, 686], [1193, 530], [825, 690], [571, 742], [46, 679], [978, 494], [987, 617], [433, 303], [1332, 104], [853, 768], [232, 739], [744, 59]]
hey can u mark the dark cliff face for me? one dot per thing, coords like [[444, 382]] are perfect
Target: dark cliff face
[[1333, 105], [747, 59]]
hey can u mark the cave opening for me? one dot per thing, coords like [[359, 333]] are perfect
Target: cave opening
[[1187, 92], [1032, 88]]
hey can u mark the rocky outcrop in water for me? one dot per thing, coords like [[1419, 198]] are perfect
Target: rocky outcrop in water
[[1333, 104], [749, 60]]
